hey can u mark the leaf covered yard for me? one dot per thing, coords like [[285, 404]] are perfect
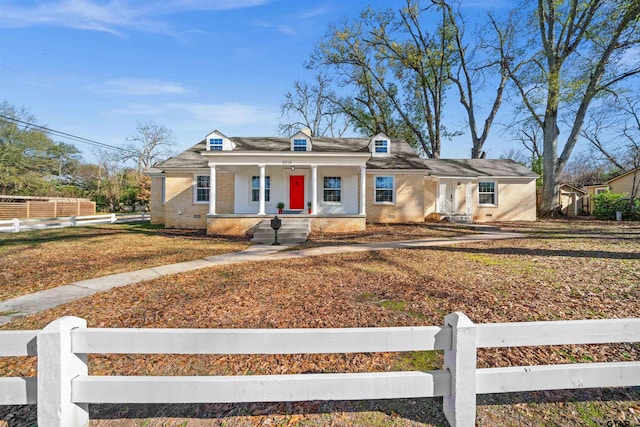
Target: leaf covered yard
[[561, 270]]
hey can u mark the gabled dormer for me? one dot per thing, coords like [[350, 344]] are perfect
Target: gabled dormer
[[301, 141], [216, 141], [380, 145]]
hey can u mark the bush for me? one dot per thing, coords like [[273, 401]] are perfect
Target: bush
[[607, 204]]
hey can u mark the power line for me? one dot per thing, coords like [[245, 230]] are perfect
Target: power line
[[67, 135]]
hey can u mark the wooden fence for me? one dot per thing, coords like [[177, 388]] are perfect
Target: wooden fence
[[63, 389], [46, 209], [16, 225]]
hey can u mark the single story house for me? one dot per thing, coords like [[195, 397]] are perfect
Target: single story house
[[621, 184], [228, 185]]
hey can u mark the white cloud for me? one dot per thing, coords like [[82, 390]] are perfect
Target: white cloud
[[313, 13], [112, 16], [140, 87], [284, 29]]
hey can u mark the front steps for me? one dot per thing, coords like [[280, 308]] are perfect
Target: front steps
[[292, 230]]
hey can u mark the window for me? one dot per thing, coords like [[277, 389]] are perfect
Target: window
[[332, 189], [601, 190], [202, 188], [384, 189], [299, 145], [215, 144], [487, 193], [255, 189], [381, 146]]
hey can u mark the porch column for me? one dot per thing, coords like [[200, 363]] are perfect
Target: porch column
[[262, 211], [212, 189], [314, 189], [363, 190]]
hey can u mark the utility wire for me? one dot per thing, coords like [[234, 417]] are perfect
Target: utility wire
[[68, 135]]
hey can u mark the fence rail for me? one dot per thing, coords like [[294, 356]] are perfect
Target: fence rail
[[63, 387], [16, 225]]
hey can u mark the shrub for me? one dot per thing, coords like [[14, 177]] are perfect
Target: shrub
[[607, 204], [604, 205]]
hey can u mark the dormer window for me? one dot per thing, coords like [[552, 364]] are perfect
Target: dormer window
[[381, 146], [216, 141], [299, 145], [215, 144]]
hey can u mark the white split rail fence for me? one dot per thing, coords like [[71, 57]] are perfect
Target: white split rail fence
[[63, 389], [16, 225]]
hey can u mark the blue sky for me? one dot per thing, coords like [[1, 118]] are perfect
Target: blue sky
[[96, 68]]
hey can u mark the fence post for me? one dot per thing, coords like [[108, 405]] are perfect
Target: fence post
[[16, 225], [113, 218], [460, 406], [143, 216], [57, 367], [72, 220]]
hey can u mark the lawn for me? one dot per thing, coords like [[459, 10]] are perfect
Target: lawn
[[561, 270], [36, 260]]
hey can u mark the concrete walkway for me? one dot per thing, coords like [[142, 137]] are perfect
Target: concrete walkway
[[33, 303]]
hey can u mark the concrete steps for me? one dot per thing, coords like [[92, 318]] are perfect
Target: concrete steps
[[459, 218], [292, 230]]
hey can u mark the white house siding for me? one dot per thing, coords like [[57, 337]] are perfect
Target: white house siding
[[279, 177], [349, 196]]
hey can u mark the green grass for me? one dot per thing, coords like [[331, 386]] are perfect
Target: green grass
[[419, 361]]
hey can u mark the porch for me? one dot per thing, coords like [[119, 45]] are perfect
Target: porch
[[240, 224]]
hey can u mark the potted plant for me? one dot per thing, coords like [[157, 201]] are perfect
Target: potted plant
[[280, 206], [309, 207]]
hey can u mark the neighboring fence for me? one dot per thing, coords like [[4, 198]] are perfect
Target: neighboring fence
[[46, 209], [16, 225], [63, 388]]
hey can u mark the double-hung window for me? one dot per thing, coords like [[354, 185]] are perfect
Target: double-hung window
[[487, 193], [384, 186], [215, 144], [381, 146], [255, 188], [202, 188], [332, 189], [299, 145]]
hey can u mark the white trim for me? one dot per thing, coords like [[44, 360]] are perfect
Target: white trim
[[251, 188], [393, 177], [195, 188], [363, 190], [300, 136], [227, 144], [332, 203], [599, 190], [495, 195], [212, 190], [163, 189]]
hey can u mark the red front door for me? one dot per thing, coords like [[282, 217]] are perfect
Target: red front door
[[296, 192]]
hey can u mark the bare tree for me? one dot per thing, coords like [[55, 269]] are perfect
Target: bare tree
[[469, 74], [398, 71], [151, 142], [312, 106], [580, 56], [614, 132]]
